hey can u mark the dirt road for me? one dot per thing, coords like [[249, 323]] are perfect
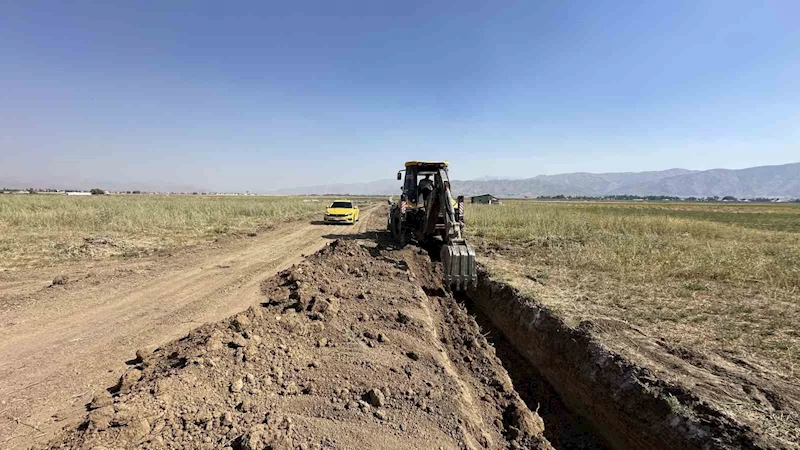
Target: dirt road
[[60, 345]]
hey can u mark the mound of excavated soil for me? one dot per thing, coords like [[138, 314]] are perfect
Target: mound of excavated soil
[[347, 351]]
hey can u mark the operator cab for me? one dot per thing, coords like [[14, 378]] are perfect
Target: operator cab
[[435, 220], [416, 174]]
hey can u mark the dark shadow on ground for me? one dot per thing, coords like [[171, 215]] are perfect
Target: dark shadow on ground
[[350, 237], [384, 241], [382, 238], [563, 428]]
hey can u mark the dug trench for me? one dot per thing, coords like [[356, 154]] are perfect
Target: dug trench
[[628, 406], [360, 347]]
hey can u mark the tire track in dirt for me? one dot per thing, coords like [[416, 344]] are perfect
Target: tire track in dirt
[[467, 404], [60, 349]]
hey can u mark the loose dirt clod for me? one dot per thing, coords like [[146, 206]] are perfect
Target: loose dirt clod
[[127, 380], [100, 419], [141, 356], [240, 323], [238, 341], [101, 399], [376, 397]]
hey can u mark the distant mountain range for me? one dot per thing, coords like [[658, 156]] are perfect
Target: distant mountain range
[[765, 181]]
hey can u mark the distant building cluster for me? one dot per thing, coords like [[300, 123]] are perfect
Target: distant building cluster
[[54, 192], [96, 191]]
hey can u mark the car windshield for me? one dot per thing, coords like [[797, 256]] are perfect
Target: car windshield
[[341, 205]]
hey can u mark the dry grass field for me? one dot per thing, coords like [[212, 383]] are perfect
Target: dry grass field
[[710, 276], [715, 286], [48, 229]]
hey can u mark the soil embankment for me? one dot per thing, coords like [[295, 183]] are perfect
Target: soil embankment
[[353, 348], [60, 344]]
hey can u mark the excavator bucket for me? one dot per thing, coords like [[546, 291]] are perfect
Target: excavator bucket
[[459, 266]]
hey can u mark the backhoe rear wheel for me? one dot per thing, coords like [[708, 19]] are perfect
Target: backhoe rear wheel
[[398, 231]]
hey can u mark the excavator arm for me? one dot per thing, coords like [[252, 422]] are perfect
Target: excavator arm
[[458, 257]]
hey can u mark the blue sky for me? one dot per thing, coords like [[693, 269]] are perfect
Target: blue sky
[[260, 95]]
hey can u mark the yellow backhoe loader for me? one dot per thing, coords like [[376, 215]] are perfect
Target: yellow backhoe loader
[[428, 214]]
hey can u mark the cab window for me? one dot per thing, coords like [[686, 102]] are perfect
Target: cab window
[[341, 205]]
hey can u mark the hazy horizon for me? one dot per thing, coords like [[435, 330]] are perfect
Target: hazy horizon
[[61, 184], [260, 96]]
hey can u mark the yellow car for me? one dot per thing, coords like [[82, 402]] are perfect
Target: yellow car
[[342, 211]]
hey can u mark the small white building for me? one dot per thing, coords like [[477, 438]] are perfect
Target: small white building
[[78, 193], [487, 199]]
